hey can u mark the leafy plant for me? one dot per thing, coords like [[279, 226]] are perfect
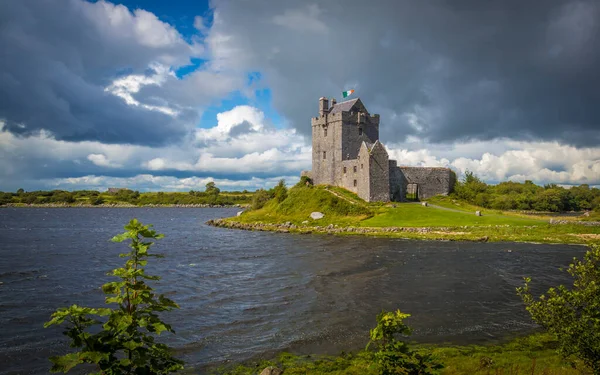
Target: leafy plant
[[123, 341], [394, 356], [259, 199], [572, 315]]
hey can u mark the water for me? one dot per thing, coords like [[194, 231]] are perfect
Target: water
[[250, 294]]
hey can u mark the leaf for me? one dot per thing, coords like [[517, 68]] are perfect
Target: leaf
[[121, 237], [65, 362]]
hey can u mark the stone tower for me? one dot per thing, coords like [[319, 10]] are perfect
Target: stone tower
[[346, 152], [337, 135]]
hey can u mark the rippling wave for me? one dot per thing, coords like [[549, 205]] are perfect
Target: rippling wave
[[250, 294]]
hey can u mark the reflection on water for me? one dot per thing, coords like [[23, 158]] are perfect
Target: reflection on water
[[246, 294]]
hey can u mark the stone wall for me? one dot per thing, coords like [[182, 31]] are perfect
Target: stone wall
[[347, 179], [351, 137], [431, 181], [326, 171], [379, 176], [397, 182]]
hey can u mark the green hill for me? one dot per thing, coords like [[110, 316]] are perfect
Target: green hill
[[441, 219]]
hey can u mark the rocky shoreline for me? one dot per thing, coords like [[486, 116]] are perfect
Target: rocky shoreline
[[335, 229], [118, 205]]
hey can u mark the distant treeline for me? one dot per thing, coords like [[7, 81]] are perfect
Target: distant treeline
[[211, 195], [526, 196]]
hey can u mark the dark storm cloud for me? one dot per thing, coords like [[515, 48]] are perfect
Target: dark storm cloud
[[441, 70], [56, 58]]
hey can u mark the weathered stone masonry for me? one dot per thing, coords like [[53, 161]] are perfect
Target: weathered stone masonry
[[346, 152]]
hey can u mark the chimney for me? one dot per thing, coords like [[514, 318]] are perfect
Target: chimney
[[333, 102], [323, 106]]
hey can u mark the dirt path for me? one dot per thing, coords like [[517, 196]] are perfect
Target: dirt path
[[340, 196]]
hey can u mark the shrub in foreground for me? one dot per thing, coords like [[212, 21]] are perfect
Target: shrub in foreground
[[394, 356], [572, 314], [120, 340]]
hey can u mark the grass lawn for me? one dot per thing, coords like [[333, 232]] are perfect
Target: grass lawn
[[534, 354], [445, 219], [416, 215]]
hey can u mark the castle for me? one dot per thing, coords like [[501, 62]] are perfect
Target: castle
[[346, 152]]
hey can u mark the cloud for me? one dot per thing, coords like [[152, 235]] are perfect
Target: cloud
[[147, 182], [497, 161], [102, 161], [440, 71], [105, 75], [304, 19], [265, 152]]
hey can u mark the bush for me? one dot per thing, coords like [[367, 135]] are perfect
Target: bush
[[97, 200], [260, 198], [280, 191], [123, 343], [393, 356], [304, 181], [572, 315]]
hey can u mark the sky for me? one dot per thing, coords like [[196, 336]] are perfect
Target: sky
[[155, 95]]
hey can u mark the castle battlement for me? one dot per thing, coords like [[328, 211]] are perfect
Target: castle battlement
[[346, 152]]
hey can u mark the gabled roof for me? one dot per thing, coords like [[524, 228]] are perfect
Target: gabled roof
[[343, 106]]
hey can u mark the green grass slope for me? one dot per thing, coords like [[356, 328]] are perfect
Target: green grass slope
[[416, 215], [301, 201], [443, 219]]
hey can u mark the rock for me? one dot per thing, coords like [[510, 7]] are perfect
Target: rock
[[424, 204], [305, 222], [586, 214], [477, 213], [240, 213], [271, 371], [317, 215]]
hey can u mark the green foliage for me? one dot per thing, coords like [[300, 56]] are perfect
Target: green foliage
[[304, 181], [121, 340], [572, 314], [97, 200], [5, 198], [280, 191], [93, 197], [212, 189], [259, 199], [394, 356], [526, 196]]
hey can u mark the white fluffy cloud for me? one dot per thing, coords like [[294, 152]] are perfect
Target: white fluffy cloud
[[102, 161], [502, 160], [100, 96], [148, 182]]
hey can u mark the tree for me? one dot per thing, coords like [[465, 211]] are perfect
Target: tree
[[20, 191], [572, 315], [394, 356], [211, 188], [123, 342], [259, 199], [280, 191]]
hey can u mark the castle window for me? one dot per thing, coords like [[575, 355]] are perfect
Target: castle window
[[355, 169], [344, 169], [325, 132], [361, 166], [354, 183], [324, 155], [359, 131]]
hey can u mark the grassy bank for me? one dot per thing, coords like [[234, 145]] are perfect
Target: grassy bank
[[443, 219], [534, 354]]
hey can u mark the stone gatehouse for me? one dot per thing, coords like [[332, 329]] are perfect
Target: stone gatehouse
[[346, 152]]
